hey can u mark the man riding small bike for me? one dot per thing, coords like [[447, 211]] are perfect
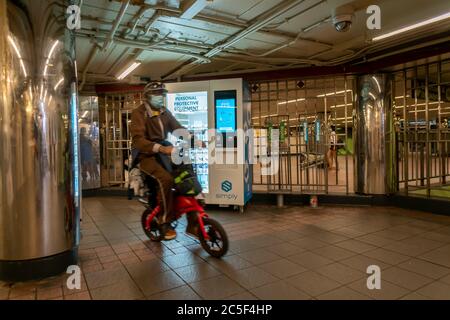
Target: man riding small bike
[[150, 124]]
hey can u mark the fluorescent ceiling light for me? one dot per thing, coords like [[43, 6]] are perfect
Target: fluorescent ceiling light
[[400, 97], [421, 104], [412, 27], [340, 105], [128, 70], [332, 93], [292, 101], [436, 109], [271, 115]]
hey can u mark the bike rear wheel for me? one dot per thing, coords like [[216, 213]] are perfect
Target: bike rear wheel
[[217, 244]]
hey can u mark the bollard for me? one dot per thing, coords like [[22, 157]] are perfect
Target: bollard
[[280, 201], [314, 202]]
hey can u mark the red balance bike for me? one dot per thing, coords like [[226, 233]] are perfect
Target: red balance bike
[[211, 234]]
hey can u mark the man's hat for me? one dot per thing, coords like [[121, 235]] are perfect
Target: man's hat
[[155, 88]]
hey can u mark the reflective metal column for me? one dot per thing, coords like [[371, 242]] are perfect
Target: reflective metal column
[[39, 163], [374, 136]]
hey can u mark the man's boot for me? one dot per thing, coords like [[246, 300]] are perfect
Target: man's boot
[[192, 225], [167, 232]]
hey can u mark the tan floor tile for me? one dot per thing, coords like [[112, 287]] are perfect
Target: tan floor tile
[[46, 294], [78, 296]]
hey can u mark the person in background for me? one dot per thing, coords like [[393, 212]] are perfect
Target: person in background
[[331, 154], [86, 155]]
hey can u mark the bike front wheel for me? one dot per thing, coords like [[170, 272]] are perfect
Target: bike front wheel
[[217, 244], [153, 233]]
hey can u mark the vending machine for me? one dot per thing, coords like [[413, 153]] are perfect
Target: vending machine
[[191, 110], [223, 163]]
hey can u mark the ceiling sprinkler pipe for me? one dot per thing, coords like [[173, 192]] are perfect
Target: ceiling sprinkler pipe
[[117, 21], [88, 63], [258, 25]]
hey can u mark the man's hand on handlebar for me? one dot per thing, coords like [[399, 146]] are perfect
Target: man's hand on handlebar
[[167, 150], [200, 144]]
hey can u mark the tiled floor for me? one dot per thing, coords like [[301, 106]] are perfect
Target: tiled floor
[[293, 253]]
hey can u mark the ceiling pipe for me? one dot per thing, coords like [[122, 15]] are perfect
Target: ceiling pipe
[[171, 12], [304, 30], [280, 60], [278, 48], [110, 23], [106, 44], [262, 21], [193, 7], [174, 46], [124, 53], [152, 20], [116, 24], [267, 18], [129, 30], [391, 58], [136, 19], [101, 35], [316, 24], [371, 47], [159, 48], [156, 15], [93, 53], [198, 17], [147, 46], [251, 62], [287, 20]]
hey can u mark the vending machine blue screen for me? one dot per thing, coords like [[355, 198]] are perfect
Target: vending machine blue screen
[[225, 105], [226, 115]]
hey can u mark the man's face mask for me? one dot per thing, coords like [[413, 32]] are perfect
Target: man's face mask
[[157, 102]]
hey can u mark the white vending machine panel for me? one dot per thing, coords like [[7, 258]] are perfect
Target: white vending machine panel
[[191, 110], [223, 105]]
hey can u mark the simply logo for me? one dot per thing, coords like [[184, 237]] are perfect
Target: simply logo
[[227, 186]]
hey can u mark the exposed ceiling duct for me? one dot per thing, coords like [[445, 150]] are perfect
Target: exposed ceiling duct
[[217, 38], [263, 20], [107, 42]]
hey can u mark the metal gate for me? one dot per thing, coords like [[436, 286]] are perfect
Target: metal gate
[[307, 111], [116, 136], [422, 107]]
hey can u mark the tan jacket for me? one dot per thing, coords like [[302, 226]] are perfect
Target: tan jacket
[[147, 130]]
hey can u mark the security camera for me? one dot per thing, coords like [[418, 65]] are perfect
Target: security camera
[[342, 18], [342, 23]]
